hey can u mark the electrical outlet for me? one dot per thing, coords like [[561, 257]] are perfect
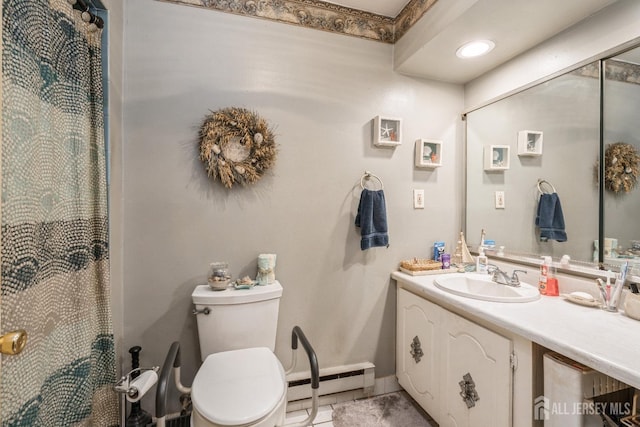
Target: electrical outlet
[[499, 199], [418, 199]]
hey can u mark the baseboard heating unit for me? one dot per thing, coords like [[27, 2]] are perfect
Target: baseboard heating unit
[[337, 379]]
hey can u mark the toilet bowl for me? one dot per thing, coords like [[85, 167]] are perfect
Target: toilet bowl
[[239, 388], [241, 382]]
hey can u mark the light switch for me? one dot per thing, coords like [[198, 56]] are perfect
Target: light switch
[[499, 199], [418, 199]]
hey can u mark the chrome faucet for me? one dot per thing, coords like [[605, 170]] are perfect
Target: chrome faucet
[[502, 278]]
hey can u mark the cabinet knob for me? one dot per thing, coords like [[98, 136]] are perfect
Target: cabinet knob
[[468, 390], [416, 349]]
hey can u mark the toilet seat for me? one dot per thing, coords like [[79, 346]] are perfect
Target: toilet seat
[[238, 387]]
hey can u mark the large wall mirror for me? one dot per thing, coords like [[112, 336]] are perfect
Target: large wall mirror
[[621, 136], [547, 139]]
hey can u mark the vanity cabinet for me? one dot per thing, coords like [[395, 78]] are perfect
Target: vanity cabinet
[[458, 371], [477, 364], [417, 351]]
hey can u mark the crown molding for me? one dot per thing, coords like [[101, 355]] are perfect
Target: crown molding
[[320, 15], [622, 71], [619, 71], [409, 15]]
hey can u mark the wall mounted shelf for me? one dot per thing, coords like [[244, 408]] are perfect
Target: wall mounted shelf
[[496, 157], [428, 153], [387, 131], [529, 143]]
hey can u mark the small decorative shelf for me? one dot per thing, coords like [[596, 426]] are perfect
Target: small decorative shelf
[[428, 153], [496, 157], [387, 131], [529, 143]]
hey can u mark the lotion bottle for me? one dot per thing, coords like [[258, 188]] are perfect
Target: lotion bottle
[[544, 274], [482, 263]]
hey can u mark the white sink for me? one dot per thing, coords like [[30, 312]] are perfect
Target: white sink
[[480, 286]]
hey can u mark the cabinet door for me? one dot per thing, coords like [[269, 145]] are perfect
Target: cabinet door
[[416, 350], [476, 360]]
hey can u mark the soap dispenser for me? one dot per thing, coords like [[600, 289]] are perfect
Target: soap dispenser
[[544, 274], [482, 263]]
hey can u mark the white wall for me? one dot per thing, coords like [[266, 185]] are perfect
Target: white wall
[[606, 31], [320, 91]]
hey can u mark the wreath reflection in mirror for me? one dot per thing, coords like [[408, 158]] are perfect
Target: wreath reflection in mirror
[[236, 146], [620, 167]]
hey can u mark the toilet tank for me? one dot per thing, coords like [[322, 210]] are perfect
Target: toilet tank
[[238, 318]]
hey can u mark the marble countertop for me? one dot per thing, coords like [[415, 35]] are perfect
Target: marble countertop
[[607, 342]]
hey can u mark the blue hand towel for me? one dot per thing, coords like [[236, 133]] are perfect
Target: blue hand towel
[[372, 219], [550, 218]]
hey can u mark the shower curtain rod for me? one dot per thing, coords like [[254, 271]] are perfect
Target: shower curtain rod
[[87, 16]]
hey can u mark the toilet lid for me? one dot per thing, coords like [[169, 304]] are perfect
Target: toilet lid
[[238, 387]]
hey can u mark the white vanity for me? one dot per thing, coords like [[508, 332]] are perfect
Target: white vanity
[[441, 337]]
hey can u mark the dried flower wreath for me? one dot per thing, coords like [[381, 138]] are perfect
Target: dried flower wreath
[[621, 167], [236, 145]]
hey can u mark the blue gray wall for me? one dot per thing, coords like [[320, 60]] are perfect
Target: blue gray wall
[[321, 92]]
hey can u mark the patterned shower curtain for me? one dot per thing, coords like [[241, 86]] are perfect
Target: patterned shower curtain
[[55, 257]]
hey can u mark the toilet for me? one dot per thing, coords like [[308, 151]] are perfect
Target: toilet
[[241, 382]]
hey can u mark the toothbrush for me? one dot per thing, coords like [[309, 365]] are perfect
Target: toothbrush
[[608, 285], [603, 292], [617, 290]]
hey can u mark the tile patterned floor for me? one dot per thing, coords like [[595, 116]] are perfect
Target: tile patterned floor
[[325, 415]]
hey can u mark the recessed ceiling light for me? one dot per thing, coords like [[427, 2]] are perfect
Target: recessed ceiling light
[[475, 48]]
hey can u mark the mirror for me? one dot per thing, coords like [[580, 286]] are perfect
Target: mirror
[[548, 132], [621, 103]]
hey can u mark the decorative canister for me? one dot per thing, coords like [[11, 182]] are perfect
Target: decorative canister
[[266, 269], [219, 276]]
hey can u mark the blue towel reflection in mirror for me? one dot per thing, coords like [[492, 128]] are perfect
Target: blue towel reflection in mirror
[[550, 218]]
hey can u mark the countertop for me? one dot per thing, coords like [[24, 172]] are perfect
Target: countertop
[[607, 342]]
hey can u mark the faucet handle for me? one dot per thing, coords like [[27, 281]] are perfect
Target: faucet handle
[[492, 268], [514, 275]]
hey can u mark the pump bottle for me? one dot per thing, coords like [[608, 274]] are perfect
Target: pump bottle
[[482, 262], [544, 274]]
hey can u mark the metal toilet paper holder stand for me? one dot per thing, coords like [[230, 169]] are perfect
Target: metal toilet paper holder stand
[[132, 387], [127, 384]]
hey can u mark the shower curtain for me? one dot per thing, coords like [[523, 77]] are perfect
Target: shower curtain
[[55, 254]]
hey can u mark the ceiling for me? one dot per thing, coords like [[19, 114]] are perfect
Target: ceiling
[[428, 49]]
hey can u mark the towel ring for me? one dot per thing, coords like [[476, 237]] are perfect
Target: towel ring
[[369, 175], [541, 182]]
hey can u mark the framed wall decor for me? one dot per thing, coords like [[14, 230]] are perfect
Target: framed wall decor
[[428, 153], [496, 157], [387, 131], [529, 143]]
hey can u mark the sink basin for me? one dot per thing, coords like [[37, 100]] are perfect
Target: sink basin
[[480, 286]]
